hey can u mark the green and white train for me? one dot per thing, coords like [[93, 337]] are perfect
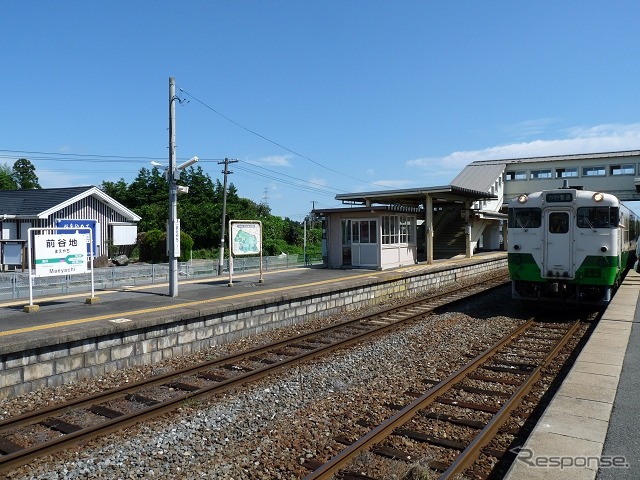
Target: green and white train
[[569, 245]]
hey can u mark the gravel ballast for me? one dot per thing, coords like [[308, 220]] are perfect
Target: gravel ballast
[[267, 429]]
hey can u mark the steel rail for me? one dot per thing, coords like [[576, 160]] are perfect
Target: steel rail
[[469, 455], [386, 428], [16, 459]]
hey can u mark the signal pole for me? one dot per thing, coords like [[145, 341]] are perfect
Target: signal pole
[[224, 211]]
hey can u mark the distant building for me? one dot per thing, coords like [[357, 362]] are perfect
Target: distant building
[[111, 222], [391, 228]]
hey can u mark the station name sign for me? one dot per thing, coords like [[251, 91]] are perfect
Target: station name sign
[[60, 254]]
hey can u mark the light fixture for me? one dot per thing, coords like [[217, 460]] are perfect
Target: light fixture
[[598, 197], [523, 198], [188, 163]]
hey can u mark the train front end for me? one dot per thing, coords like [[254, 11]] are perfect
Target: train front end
[[564, 245]]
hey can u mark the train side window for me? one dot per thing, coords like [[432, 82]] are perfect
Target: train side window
[[525, 218], [598, 217], [558, 222]]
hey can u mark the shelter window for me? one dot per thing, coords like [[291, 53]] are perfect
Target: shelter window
[[364, 231], [346, 232], [599, 171], [566, 172], [546, 173], [525, 218], [516, 175], [624, 169], [398, 229], [598, 217]]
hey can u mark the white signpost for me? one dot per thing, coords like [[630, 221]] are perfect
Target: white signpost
[[245, 238], [58, 254]]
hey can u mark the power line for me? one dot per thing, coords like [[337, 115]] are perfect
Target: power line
[[253, 132], [297, 183]]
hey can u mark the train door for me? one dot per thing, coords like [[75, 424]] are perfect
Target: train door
[[558, 241]]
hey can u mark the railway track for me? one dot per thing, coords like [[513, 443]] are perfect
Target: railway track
[[514, 365], [34, 434]]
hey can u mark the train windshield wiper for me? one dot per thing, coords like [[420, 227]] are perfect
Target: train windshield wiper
[[589, 223]]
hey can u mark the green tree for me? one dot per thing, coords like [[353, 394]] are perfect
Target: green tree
[[119, 190], [6, 178], [200, 213], [24, 174]]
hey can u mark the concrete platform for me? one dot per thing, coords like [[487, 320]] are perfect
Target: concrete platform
[[68, 339], [590, 429]]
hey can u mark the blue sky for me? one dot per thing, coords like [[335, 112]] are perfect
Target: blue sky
[[314, 98]]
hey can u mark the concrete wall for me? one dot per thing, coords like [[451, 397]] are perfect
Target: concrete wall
[[22, 371]]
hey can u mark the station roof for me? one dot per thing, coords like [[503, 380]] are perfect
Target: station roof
[[561, 158], [479, 177], [414, 197], [42, 202]]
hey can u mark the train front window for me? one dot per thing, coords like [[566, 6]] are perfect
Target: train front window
[[558, 222], [598, 217], [525, 218]]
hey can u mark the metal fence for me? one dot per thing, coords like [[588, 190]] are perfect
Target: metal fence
[[15, 284]]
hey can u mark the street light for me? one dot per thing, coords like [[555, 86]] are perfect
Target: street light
[[173, 231]]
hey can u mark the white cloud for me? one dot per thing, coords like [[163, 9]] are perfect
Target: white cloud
[[597, 139], [385, 184], [273, 161], [318, 181]]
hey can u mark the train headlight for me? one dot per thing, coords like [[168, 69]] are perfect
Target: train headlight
[[523, 198], [603, 249], [598, 197], [516, 247]]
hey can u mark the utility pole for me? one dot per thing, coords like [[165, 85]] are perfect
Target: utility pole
[[224, 211], [174, 226]]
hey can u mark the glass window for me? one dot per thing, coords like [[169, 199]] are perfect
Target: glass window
[[624, 169], [558, 222], [566, 172], [524, 218], [355, 232], [398, 229], [346, 232], [546, 173], [593, 171], [373, 231], [598, 217], [364, 231], [515, 175]]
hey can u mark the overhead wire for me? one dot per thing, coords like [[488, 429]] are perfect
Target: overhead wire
[[253, 132], [289, 180]]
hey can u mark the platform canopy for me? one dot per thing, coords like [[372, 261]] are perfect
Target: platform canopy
[[414, 196]]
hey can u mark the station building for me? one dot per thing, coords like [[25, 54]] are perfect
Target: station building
[[112, 224], [392, 228]]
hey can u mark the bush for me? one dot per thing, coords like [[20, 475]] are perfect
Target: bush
[[153, 246], [186, 245]]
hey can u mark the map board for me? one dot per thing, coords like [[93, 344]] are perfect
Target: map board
[[246, 237]]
